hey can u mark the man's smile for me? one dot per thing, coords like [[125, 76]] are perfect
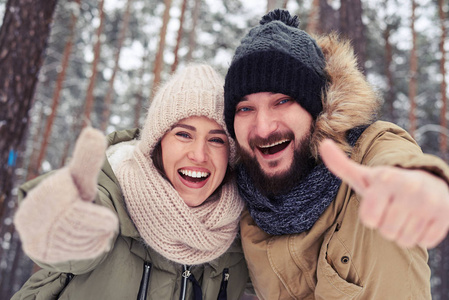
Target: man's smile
[[274, 148]]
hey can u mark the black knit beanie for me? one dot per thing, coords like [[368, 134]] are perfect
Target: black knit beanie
[[276, 57]]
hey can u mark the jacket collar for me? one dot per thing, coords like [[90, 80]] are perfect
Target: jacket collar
[[349, 102]]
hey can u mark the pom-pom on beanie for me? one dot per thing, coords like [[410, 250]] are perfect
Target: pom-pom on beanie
[[276, 57], [196, 90]]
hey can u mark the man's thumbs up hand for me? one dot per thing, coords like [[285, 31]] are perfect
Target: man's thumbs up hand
[[57, 221], [410, 207]]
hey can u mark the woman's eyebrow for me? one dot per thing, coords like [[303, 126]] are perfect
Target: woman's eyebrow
[[184, 126], [189, 127], [217, 131]]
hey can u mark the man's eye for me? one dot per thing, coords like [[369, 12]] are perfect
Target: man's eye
[[243, 109], [284, 101]]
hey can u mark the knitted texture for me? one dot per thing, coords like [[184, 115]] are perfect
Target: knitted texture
[[186, 235], [299, 209], [57, 221], [276, 57], [183, 234], [195, 91]]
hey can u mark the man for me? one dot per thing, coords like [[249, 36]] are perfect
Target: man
[[307, 234]]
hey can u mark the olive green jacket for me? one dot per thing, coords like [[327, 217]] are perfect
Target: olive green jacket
[[340, 258], [131, 266]]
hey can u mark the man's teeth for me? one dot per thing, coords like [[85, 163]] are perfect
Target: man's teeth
[[274, 144], [194, 174]]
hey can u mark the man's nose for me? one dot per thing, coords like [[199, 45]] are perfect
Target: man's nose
[[266, 123]]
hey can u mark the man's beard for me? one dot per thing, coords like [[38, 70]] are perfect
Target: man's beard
[[280, 183]]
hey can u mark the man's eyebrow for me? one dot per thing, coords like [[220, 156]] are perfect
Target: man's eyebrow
[[245, 98]]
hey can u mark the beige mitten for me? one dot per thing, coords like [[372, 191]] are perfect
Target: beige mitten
[[57, 221]]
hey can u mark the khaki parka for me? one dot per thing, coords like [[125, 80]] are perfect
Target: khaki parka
[[340, 258], [130, 266]]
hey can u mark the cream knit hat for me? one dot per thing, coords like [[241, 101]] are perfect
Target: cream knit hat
[[196, 90]]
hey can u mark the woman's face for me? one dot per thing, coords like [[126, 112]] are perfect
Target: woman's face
[[195, 157]]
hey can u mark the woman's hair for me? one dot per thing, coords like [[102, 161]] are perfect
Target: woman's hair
[[156, 156]]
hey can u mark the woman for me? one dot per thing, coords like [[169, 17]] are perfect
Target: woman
[[164, 220]]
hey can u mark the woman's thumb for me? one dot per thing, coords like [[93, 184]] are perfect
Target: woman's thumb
[[87, 160]]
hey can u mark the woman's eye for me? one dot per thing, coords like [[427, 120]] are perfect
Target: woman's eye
[[217, 140], [183, 134]]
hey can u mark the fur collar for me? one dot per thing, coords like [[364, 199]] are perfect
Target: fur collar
[[350, 101]]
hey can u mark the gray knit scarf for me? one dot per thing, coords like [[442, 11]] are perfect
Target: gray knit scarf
[[299, 209]]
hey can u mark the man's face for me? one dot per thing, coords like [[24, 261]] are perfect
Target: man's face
[[274, 131]]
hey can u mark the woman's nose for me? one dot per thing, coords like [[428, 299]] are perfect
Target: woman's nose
[[198, 152]]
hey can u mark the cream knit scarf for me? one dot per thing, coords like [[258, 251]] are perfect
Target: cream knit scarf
[[186, 235]]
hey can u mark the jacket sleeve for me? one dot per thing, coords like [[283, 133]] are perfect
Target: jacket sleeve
[[387, 144], [43, 284]]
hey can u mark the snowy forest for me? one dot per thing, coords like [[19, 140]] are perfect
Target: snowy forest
[[78, 63]]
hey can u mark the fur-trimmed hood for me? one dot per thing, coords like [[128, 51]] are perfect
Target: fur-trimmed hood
[[350, 101]]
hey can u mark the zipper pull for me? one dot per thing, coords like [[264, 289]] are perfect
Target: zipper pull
[[186, 274], [223, 293]]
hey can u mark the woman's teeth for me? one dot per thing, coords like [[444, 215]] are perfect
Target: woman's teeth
[[194, 174]]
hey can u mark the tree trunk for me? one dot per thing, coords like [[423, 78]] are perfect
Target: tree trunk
[[351, 26], [273, 4], [413, 75], [93, 77], [139, 93], [443, 267], [72, 135], [389, 97], [159, 60], [327, 19], [35, 148], [108, 98], [441, 270], [192, 34], [443, 86], [179, 37], [23, 40], [314, 17], [56, 96]]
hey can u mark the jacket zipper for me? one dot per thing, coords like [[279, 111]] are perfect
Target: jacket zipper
[[144, 282], [66, 283], [185, 276], [223, 294]]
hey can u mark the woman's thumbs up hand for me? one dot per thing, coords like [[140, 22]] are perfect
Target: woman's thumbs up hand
[[57, 221]]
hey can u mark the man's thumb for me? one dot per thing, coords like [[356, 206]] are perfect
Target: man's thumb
[[339, 164], [87, 160]]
